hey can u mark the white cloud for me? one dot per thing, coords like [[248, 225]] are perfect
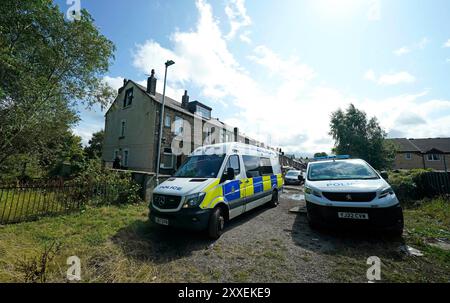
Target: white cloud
[[289, 109], [402, 51], [390, 79], [238, 18], [447, 44], [114, 82], [420, 45], [396, 78]]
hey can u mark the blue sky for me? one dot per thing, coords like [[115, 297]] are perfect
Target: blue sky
[[277, 71]]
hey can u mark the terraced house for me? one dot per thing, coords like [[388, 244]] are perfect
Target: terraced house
[[132, 126], [431, 153]]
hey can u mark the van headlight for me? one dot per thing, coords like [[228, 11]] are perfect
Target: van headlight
[[193, 200], [310, 191], [386, 192]]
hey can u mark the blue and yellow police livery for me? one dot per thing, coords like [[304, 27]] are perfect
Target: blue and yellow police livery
[[215, 184]]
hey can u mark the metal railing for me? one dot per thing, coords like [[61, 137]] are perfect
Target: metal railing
[[29, 201]]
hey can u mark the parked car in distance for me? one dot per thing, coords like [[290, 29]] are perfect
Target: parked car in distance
[[350, 192], [292, 177]]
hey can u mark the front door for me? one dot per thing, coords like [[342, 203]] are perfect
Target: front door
[[232, 192]]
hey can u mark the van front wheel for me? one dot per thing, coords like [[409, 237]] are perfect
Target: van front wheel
[[274, 202], [216, 224]]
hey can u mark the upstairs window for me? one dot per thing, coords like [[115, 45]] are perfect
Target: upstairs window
[[128, 100], [178, 127], [203, 112], [167, 121]]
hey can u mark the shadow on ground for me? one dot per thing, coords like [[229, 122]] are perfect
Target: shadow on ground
[[146, 241], [346, 242]]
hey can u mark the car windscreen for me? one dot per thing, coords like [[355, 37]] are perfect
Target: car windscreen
[[203, 166], [293, 173], [341, 170]]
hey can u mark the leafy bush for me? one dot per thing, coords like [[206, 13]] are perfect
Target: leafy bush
[[407, 184], [102, 186]]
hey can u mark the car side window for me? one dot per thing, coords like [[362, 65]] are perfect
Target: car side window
[[233, 162]]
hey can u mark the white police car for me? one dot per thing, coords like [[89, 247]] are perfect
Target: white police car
[[344, 191]]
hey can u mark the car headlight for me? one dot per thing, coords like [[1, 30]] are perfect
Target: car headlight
[[194, 200], [308, 190], [386, 192]]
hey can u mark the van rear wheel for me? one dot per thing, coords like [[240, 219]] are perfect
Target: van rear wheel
[[216, 224]]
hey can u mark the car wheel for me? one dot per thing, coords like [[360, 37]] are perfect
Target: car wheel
[[216, 224], [274, 202]]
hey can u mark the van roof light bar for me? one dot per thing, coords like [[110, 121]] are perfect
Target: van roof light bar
[[332, 157]]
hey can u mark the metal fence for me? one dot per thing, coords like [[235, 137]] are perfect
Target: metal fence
[[29, 201]]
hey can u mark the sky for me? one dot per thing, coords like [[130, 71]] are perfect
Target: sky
[[278, 69]]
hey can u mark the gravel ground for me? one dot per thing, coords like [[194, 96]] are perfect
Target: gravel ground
[[264, 245]]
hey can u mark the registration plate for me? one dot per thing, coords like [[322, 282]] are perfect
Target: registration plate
[[161, 221], [357, 216]]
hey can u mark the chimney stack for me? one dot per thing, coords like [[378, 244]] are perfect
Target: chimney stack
[[124, 83], [151, 83], [185, 100], [236, 134]]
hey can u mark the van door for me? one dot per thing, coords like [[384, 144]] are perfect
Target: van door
[[232, 188]]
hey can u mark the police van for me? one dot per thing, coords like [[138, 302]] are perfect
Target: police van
[[215, 184], [340, 190]]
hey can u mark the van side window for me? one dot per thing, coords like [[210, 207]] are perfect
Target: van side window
[[257, 166], [252, 166], [233, 162], [266, 167]]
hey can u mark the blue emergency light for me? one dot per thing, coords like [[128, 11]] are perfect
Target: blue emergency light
[[332, 157]]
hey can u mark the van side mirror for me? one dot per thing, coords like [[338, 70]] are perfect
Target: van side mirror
[[384, 175], [230, 173], [300, 178]]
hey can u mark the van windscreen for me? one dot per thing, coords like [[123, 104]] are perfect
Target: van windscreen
[[203, 166]]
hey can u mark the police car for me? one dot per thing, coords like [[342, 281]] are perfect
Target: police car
[[344, 191], [215, 184]]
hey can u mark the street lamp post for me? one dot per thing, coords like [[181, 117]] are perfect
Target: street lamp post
[[161, 121]]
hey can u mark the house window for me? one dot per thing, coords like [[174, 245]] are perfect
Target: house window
[[433, 157], [203, 112], [167, 121], [123, 125], [178, 128], [408, 156], [126, 155], [167, 159], [128, 97]]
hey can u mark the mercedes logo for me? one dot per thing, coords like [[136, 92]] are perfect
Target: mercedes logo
[[160, 201], [348, 197]]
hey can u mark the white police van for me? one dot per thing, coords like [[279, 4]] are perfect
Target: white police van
[[215, 184], [344, 191]]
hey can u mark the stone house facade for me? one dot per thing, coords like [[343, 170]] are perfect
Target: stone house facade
[[132, 127]]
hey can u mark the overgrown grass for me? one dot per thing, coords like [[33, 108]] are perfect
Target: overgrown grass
[[425, 222]]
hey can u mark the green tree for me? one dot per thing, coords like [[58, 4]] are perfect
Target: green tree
[[47, 66], [360, 138], [94, 149], [322, 154]]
